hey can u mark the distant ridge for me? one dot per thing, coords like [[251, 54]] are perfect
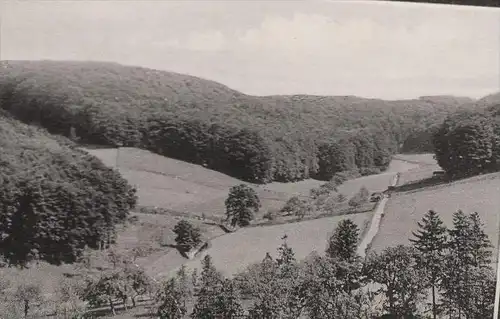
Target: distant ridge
[[254, 138]]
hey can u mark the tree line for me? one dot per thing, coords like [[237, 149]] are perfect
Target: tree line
[[258, 139], [443, 273], [468, 142]]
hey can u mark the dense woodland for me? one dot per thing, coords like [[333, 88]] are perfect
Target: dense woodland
[[55, 199], [468, 142], [258, 139]]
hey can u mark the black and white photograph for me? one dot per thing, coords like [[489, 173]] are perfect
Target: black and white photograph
[[282, 159]]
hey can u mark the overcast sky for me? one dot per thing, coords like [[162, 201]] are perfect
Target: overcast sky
[[371, 49]]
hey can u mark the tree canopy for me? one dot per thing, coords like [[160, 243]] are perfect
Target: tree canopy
[[258, 139]]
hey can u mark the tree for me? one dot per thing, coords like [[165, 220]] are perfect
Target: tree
[[464, 143], [172, 303], [104, 289], [28, 293], [296, 206], [334, 157], [341, 198], [138, 281], [467, 256], [241, 205], [344, 240], [68, 298], [227, 302], [359, 198], [480, 243], [328, 293], [402, 282], [208, 289], [431, 240], [188, 236]]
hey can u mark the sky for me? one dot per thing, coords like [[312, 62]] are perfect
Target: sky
[[364, 48]]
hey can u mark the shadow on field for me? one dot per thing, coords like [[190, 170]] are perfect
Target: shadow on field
[[422, 183]]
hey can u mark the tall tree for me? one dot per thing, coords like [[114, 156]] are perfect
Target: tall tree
[[431, 240], [208, 288], [480, 243], [227, 303], [343, 243], [172, 303], [241, 205]]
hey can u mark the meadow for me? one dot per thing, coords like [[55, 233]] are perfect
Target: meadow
[[404, 209], [182, 186], [178, 185], [231, 253]]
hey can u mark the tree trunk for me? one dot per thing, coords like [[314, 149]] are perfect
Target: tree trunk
[[433, 302], [26, 308], [112, 306], [125, 302]]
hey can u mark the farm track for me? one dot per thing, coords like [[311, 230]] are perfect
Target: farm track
[[375, 223]]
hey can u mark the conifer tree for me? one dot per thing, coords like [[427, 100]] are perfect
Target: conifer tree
[[209, 287], [430, 240], [227, 303], [172, 302], [343, 243], [480, 243]]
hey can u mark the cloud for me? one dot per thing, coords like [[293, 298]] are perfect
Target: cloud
[[275, 47]]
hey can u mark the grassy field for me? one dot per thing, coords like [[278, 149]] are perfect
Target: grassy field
[[231, 253], [182, 186], [178, 185], [405, 209]]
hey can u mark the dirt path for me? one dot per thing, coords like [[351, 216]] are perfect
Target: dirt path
[[375, 224], [397, 166]]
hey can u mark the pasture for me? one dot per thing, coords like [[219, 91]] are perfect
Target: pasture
[[231, 253], [403, 211], [182, 186], [177, 185]]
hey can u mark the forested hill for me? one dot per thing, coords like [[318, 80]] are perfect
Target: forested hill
[[55, 198], [257, 139]]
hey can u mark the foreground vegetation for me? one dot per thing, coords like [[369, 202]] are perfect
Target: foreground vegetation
[[444, 273], [258, 139]]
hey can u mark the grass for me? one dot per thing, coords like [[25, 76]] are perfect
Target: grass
[[185, 187], [181, 186], [406, 208], [231, 253], [161, 181]]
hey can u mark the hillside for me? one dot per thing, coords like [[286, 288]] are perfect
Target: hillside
[[258, 139], [408, 205], [56, 199]]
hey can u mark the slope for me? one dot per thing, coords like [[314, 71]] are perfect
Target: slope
[[258, 139], [407, 207]]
